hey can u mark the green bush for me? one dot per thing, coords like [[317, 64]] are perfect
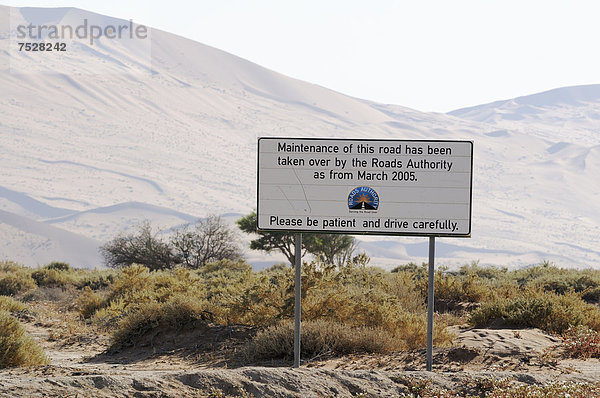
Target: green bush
[[137, 284], [405, 289], [59, 266], [16, 279], [418, 272], [354, 295], [17, 348], [97, 279]]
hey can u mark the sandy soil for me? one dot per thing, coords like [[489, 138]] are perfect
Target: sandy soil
[[200, 361]]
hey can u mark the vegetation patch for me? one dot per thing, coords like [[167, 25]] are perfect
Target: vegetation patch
[[581, 342], [549, 311], [342, 302], [173, 314], [320, 338], [571, 390], [11, 305], [89, 302], [15, 279], [16, 347]]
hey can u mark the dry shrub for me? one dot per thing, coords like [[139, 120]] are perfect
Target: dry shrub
[[50, 277], [262, 299], [136, 284], [374, 309], [222, 287], [368, 297], [558, 280], [466, 288], [403, 286], [545, 310], [174, 313], [319, 338], [591, 295], [333, 338], [131, 280], [10, 266], [54, 294], [89, 302], [107, 317], [15, 282], [412, 330], [42, 283], [17, 348], [60, 274], [355, 296], [11, 305]]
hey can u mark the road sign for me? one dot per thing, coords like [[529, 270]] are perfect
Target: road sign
[[388, 187]]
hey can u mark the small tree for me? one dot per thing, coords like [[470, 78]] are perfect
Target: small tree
[[334, 249], [141, 247], [331, 248], [209, 240], [268, 241]]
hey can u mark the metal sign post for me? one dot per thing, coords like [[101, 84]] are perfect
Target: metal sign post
[[298, 302], [430, 303]]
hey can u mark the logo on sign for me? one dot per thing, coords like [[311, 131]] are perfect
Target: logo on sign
[[363, 198]]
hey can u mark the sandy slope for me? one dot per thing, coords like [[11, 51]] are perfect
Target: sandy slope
[[98, 128]]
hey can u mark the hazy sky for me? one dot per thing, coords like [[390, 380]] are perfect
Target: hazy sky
[[428, 55]]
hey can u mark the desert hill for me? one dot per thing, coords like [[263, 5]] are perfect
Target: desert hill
[[107, 134]]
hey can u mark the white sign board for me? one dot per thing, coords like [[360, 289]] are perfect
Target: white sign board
[[389, 187]]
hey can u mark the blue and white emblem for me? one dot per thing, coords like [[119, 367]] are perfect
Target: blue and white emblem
[[363, 198]]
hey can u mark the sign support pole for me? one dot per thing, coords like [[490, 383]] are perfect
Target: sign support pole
[[298, 302], [430, 300]]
